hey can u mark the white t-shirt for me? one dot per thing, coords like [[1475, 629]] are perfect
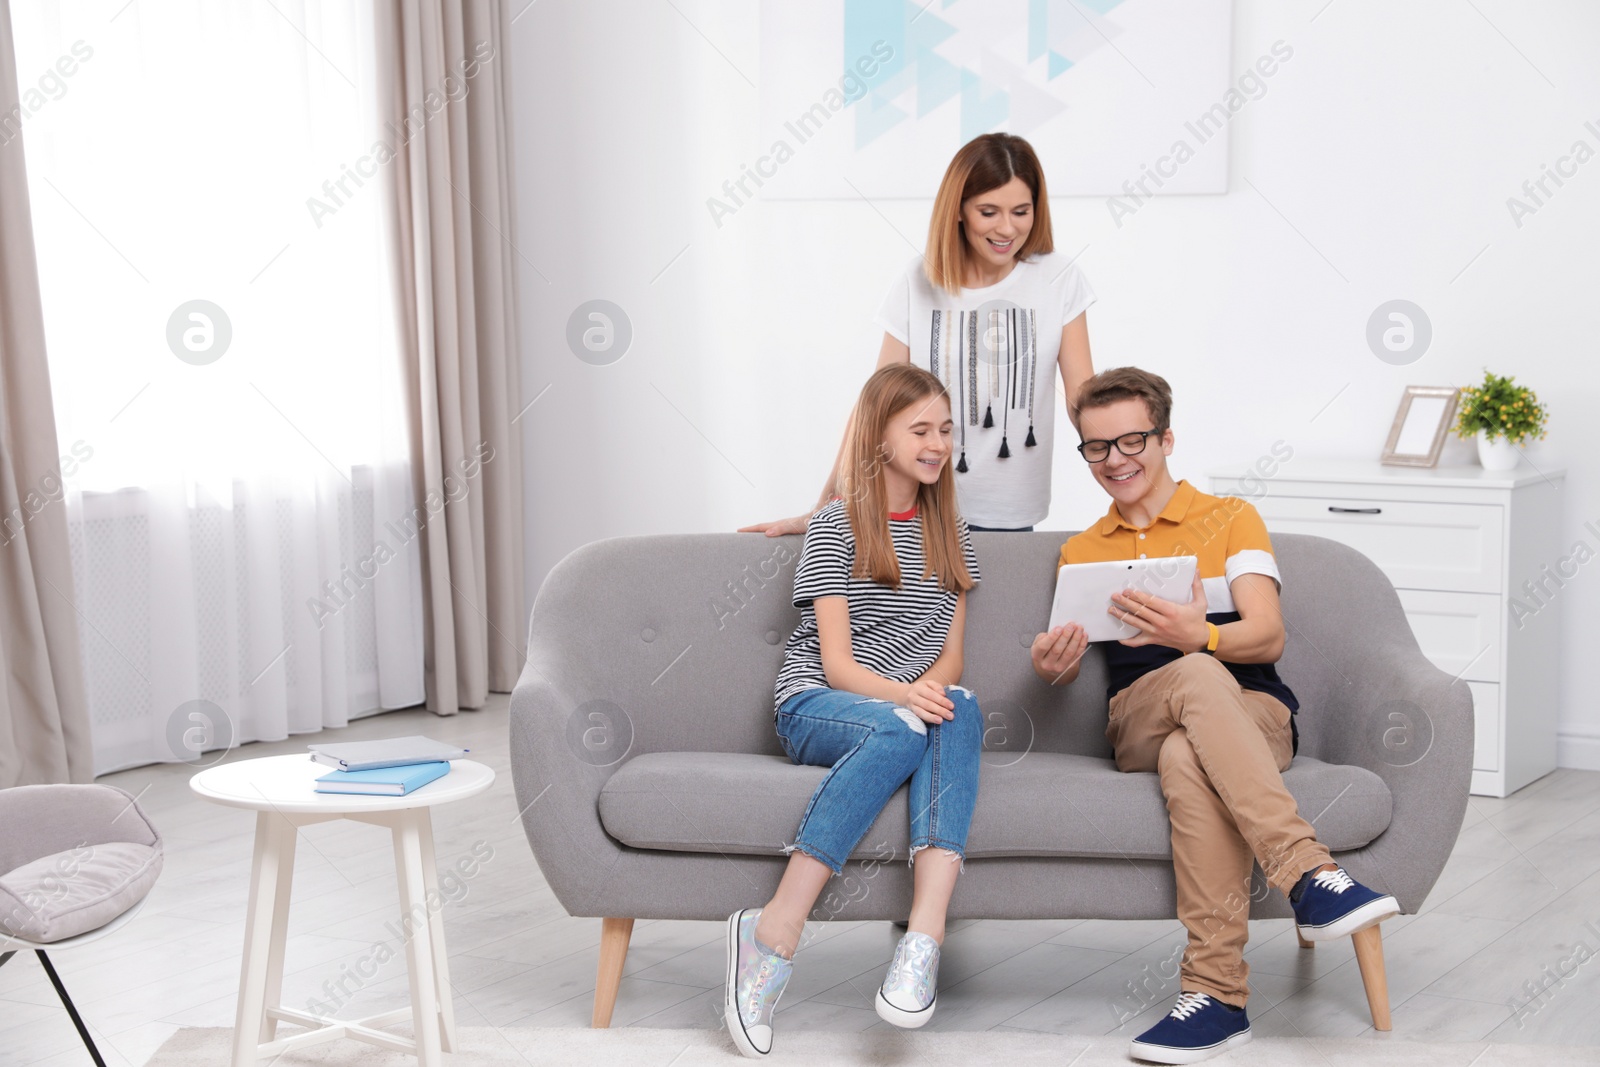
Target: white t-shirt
[[995, 348]]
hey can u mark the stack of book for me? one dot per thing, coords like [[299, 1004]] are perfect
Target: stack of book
[[390, 767]]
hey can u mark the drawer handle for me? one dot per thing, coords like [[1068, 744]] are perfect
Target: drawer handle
[[1355, 511]]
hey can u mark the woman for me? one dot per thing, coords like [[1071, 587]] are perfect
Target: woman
[[993, 311]]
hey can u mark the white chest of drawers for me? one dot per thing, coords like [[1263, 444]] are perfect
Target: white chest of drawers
[[1474, 555]]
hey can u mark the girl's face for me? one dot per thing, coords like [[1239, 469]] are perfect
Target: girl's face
[[998, 222], [916, 441]]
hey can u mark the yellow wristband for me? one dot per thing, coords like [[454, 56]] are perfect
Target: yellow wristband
[[1215, 636]]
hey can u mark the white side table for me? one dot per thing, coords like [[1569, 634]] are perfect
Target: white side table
[[281, 790]]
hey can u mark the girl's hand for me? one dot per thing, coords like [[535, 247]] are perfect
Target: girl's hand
[[1161, 621], [925, 697], [796, 525], [1057, 652]]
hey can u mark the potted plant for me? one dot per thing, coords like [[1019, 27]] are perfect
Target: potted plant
[[1501, 415]]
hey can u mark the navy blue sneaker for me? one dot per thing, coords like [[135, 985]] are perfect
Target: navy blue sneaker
[[1333, 905], [1196, 1029]]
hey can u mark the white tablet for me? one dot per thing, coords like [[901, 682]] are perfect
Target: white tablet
[[1083, 591]]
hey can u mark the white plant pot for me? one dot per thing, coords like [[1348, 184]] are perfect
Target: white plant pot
[[1497, 455]]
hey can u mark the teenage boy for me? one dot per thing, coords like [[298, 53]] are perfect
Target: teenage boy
[[1195, 697]]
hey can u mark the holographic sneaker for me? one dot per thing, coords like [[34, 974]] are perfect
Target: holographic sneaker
[[755, 982], [910, 989]]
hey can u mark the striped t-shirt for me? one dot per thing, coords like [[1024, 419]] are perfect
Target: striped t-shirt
[[897, 633]]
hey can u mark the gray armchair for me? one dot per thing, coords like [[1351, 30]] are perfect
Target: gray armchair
[[76, 862], [652, 784]]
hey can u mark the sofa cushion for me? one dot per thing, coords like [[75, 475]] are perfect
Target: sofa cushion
[[1045, 804], [69, 893]]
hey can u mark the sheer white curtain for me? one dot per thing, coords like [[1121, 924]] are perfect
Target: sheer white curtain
[[206, 207]]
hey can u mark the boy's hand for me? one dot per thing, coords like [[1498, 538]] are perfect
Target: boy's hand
[[1057, 652], [1161, 621], [925, 697]]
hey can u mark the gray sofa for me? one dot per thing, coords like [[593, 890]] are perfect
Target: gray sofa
[[652, 784]]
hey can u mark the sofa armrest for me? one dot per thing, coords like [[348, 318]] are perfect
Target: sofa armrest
[[558, 787], [1411, 724]]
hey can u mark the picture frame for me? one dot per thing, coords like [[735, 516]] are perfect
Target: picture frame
[[1420, 425]]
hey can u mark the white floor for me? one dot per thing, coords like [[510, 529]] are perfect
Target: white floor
[[1518, 907]]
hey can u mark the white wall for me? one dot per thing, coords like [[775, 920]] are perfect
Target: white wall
[[1390, 141]]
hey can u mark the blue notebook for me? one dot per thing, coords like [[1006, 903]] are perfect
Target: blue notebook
[[383, 781]]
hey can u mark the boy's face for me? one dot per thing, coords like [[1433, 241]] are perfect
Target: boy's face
[[1128, 479]]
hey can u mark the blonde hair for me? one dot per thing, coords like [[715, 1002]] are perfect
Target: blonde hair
[[888, 392], [984, 163]]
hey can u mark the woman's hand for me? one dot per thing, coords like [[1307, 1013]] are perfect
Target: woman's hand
[[796, 525], [1161, 621], [1057, 653], [925, 697]]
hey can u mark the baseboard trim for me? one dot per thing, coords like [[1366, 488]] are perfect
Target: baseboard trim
[[1579, 751]]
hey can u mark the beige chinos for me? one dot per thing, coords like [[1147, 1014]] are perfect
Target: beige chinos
[[1219, 749]]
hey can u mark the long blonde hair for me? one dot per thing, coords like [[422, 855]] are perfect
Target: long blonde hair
[[986, 162], [889, 391]]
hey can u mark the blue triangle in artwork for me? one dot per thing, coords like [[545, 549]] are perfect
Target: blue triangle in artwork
[[924, 30], [937, 81], [887, 88], [1100, 7], [1059, 63], [1038, 27], [867, 23], [872, 123], [980, 113]]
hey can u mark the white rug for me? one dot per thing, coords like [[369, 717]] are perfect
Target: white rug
[[519, 1047]]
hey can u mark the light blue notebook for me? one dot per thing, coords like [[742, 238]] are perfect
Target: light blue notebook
[[383, 781]]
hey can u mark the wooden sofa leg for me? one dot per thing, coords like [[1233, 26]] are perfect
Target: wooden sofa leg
[[614, 935], [1369, 957], [1303, 942]]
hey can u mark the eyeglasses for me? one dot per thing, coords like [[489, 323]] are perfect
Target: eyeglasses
[[1129, 444]]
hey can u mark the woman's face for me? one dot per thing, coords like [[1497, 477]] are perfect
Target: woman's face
[[998, 222], [916, 441]]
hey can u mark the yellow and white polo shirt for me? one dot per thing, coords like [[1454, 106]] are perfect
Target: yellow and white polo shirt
[[1228, 537]]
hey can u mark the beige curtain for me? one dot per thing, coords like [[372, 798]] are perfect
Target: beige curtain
[[443, 93], [44, 718]]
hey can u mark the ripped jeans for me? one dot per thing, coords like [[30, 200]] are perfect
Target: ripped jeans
[[872, 747]]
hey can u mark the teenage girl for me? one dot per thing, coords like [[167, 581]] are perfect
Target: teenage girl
[[994, 312], [868, 689]]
